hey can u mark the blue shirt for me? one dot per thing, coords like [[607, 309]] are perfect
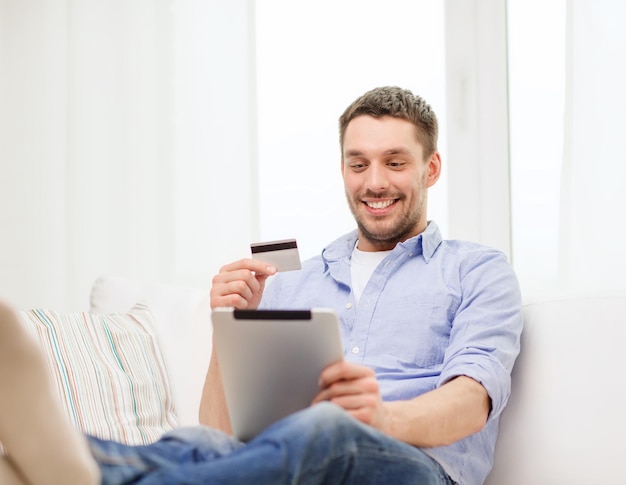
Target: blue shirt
[[432, 310]]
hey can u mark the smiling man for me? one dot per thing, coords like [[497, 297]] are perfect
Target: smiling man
[[386, 177], [431, 327]]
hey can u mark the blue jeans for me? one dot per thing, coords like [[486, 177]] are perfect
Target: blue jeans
[[322, 444]]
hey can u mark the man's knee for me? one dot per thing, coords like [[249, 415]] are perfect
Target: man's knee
[[326, 417], [205, 440], [328, 414]]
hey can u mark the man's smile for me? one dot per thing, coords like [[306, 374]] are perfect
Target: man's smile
[[379, 207], [379, 204]]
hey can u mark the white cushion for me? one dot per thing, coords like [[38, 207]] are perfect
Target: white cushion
[[108, 372], [565, 419], [182, 316]]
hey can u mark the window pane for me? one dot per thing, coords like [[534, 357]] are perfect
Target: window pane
[[313, 59], [537, 90]]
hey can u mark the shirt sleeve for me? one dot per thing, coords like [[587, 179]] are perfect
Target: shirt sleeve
[[485, 334]]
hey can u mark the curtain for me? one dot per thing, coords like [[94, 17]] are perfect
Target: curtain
[[592, 232], [126, 143], [568, 109]]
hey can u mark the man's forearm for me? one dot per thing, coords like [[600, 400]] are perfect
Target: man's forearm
[[440, 417], [213, 410]]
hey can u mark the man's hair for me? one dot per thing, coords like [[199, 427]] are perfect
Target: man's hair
[[398, 103]]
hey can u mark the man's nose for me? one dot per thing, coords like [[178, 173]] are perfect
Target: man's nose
[[377, 180]]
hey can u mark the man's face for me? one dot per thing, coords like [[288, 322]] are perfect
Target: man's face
[[386, 180]]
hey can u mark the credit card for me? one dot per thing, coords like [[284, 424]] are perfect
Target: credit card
[[282, 254]]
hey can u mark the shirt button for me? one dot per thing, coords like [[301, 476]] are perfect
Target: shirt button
[[355, 350], [348, 305]]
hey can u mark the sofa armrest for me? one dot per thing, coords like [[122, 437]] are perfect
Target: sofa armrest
[[564, 421]]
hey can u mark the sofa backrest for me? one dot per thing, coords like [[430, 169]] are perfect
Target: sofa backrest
[[564, 422]]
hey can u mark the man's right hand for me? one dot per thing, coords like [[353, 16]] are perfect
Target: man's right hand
[[240, 284]]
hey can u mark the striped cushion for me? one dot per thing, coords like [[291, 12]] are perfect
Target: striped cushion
[[109, 372]]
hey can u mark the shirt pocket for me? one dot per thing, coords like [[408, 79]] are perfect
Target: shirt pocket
[[421, 333]]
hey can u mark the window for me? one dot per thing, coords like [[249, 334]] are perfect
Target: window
[[537, 95], [312, 62]]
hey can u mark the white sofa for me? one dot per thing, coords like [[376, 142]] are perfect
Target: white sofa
[[566, 419], [564, 423]]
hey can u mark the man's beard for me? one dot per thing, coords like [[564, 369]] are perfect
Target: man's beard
[[392, 234], [406, 224]]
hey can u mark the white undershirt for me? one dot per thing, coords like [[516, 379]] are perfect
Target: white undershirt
[[362, 265]]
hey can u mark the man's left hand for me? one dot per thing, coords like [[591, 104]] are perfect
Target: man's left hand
[[355, 388]]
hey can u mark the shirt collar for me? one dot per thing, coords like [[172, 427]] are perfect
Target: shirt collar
[[425, 243]]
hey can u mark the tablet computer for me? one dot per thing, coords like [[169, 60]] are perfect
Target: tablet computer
[[270, 361]]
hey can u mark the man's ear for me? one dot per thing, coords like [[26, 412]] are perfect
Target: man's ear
[[434, 169]]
